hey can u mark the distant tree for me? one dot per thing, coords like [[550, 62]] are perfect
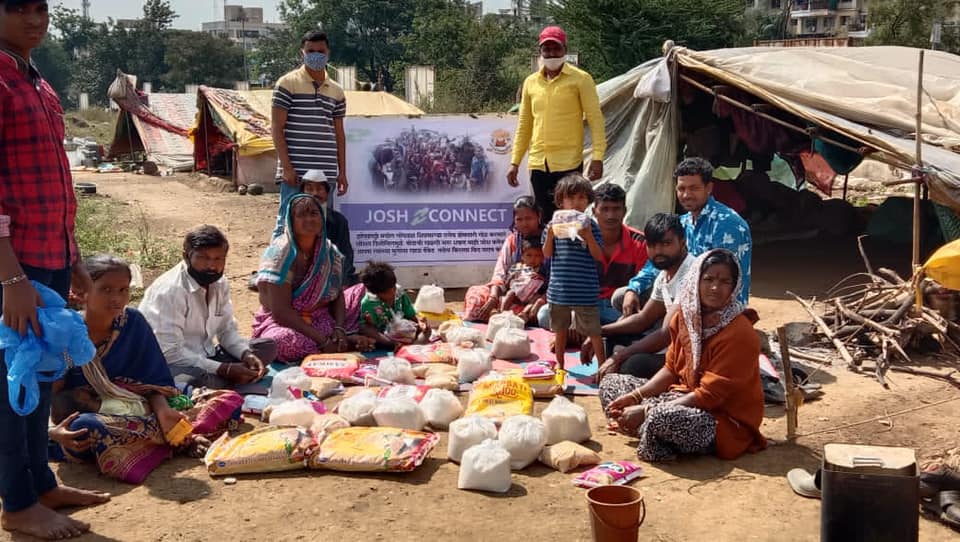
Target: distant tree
[[613, 36], [440, 33], [157, 15], [277, 52], [200, 58], [367, 34], [759, 24], [72, 29], [498, 57], [910, 23]]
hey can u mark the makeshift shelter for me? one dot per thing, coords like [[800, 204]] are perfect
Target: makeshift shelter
[[232, 132], [820, 109], [153, 125]]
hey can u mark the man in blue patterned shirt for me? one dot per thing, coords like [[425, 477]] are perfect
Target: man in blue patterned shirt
[[708, 224]]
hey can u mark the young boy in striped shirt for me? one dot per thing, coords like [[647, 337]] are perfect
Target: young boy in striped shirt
[[574, 285]]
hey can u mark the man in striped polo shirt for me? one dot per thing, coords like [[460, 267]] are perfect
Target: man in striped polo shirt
[[307, 123]]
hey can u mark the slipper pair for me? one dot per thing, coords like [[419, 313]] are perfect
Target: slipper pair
[[945, 507], [939, 479], [940, 495]]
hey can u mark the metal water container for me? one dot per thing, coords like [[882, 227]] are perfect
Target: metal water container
[[869, 494]]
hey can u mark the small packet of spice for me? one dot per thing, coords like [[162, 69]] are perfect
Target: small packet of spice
[[609, 473]]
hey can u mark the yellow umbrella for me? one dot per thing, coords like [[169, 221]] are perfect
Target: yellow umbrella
[[944, 265]]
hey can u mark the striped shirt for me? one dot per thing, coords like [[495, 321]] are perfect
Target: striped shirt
[[311, 109], [574, 280]]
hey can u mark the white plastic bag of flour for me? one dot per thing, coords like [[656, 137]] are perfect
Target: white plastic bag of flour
[[511, 343], [396, 370], [564, 420], [503, 320], [485, 467], [440, 407], [430, 299], [292, 378], [358, 409], [467, 432], [462, 334], [473, 363], [524, 437], [399, 412], [298, 412]]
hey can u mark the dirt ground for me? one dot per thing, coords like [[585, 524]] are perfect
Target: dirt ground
[[692, 499]]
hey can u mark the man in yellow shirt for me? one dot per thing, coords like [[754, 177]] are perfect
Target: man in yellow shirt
[[555, 101]]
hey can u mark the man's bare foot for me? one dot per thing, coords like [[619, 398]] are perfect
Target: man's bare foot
[[41, 522], [71, 497]]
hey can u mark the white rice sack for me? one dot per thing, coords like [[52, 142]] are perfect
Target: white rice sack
[[503, 320], [463, 334], [473, 363], [485, 467], [293, 377], [430, 299], [440, 407], [565, 420], [358, 409], [396, 370], [511, 344], [524, 437], [468, 432], [298, 412], [400, 413]]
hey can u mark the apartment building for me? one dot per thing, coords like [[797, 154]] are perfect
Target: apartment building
[[822, 18], [241, 25]]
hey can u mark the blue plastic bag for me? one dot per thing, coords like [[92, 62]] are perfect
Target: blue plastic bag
[[31, 360]]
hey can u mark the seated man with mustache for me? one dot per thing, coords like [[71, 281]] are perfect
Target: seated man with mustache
[[638, 342]]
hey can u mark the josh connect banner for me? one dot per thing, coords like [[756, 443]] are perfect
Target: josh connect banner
[[429, 191]]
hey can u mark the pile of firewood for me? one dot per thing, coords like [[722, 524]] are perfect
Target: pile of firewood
[[875, 316]]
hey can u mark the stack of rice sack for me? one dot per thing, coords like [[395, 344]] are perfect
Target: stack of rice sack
[[487, 455]]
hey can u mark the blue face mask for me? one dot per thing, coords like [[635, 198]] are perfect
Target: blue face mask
[[315, 61]]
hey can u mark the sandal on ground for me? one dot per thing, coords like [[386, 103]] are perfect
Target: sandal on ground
[[803, 483], [945, 507], [940, 479]]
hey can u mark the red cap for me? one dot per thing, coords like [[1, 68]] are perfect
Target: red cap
[[553, 33]]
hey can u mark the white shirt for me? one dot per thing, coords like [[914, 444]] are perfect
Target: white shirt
[[664, 289], [186, 319]]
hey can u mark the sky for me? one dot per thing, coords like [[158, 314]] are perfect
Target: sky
[[194, 12]]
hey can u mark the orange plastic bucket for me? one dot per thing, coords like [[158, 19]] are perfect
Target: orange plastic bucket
[[616, 513]]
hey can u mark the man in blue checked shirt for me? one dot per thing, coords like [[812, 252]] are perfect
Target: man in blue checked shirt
[[708, 224]]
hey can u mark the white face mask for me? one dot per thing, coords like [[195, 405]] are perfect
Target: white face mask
[[552, 64]]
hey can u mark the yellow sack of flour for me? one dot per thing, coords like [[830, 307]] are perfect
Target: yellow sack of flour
[[498, 396], [267, 449], [373, 449]]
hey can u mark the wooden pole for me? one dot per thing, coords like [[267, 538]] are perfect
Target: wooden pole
[[792, 406], [917, 186]]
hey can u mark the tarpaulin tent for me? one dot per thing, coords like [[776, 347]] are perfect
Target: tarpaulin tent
[[856, 101], [236, 125], [154, 124]]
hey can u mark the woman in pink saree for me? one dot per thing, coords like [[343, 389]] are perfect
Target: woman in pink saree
[[304, 307]]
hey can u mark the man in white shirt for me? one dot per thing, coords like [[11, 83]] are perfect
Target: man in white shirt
[[190, 311], [644, 337]]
